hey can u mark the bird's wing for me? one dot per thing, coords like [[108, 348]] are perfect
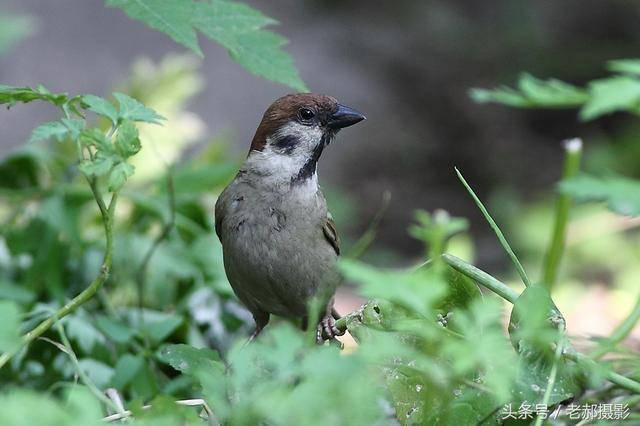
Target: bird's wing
[[219, 215], [331, 233]]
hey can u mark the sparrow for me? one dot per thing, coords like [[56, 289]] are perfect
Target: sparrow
[[280, 244]]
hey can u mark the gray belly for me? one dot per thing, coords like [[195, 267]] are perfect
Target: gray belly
[[277, 265]]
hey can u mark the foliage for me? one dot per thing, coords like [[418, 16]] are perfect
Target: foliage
[[236, 26], [620, 92], [117, 307]]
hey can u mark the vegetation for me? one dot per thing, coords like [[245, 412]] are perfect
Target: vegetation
[[115, 304]]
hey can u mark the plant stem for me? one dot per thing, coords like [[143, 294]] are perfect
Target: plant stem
[[107, 219], [620, 333], [552, 377], [83, 376], [613, 377], [481, 277], [553, 255], [497, 231]]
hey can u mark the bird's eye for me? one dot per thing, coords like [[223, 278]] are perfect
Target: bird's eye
[[306, 114]]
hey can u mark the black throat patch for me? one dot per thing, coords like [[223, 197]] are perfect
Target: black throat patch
[[309, 168]]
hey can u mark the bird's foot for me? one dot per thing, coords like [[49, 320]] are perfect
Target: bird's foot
[[327, 329]]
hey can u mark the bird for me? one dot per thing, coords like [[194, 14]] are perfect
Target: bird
[[279, 241]]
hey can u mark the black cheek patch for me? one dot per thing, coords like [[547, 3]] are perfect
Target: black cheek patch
[[286, 144]]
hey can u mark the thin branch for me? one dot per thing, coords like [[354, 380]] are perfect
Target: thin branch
[[553, 255], [481, 277]]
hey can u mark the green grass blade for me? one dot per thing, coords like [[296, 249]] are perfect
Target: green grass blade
[[553, 255], [498, 232]]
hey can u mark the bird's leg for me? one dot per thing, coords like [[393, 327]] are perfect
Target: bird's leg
[[262, 319], [334, 313], [327, 329]]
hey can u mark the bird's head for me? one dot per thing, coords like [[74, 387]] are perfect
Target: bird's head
[[294, 131]]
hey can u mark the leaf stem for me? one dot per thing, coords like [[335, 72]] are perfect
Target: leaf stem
[[553, 255], [496, 229], [612, 376], [481, 277]]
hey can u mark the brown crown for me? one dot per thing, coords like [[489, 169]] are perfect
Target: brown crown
[[284, 110]]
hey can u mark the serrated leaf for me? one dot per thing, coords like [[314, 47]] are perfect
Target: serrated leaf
[[11, 95], [172, 17], [101, 106], [236, 26], [610, 95], [52, 129], [119, 176], [132, 109], [99, 166], [622, 195], [127, 141]]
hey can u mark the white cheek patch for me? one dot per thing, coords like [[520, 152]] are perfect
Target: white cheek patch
[[281, 164]]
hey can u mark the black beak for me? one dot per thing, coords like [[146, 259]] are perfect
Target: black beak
[[344, 117]]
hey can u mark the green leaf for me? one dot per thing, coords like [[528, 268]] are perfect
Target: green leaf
[[534, 93], [75, 126], [625, 66], [235, 26], [9, 326], [11, 95], [189, 360], [16, 293], [83, 332], [98, 372], [159, 330], [622, 195], [52, 129], [127, 141], [132, 109], [99, 166], [612, 94], [114, 329], [119, 176], [127, 367], [172, 17], [101, 106]]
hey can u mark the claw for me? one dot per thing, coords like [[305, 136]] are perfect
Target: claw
[[327, 329]]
